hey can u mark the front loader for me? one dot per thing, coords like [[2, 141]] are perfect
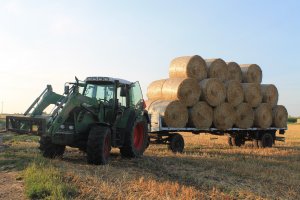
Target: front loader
[[94, 116]]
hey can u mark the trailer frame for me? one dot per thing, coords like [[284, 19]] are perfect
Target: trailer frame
[[159, 133]]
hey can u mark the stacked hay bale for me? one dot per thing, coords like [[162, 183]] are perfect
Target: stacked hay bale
[[207, 93]]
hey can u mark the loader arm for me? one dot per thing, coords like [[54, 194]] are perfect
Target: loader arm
[[38, 123], [46, 98]]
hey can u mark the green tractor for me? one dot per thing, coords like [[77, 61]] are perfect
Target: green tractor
[[93, 115]]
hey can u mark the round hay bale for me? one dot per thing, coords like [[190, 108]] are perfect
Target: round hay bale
[[224, 116], [244, 116], [187, 90], [280, 116], [234, 92], [148, 104], [252, 94], [154, 90], [217, 68], [188, 67], [174, 113], [200, 115], [212, 91], [251, 73], [234, 71], [263, 116], [269, 94]]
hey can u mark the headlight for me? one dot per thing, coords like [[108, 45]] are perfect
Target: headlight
[[62, 126], [71, 127]]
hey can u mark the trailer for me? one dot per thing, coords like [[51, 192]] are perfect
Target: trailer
[[261, 138]]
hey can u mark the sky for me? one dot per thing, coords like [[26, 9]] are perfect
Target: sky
[[51, 42]]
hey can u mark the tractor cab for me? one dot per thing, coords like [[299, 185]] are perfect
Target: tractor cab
[[113, 95]]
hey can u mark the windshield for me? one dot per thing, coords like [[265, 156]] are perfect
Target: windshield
[[100, 92]]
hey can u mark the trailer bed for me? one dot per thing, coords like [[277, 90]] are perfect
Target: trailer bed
[[159, 133]]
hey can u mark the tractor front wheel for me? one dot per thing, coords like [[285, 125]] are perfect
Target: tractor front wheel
[[50, 150], [99, 145]]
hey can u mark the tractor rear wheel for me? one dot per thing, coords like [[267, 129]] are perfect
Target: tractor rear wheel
[[50, 150], [136, 140], [99, 145], [176, 144]]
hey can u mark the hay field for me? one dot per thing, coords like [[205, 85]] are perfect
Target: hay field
[[208, 169]]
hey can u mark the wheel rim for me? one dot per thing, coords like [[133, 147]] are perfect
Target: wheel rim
[[138, 138], [107, 147]]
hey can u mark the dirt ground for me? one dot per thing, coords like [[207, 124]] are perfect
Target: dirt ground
[[10, 186]]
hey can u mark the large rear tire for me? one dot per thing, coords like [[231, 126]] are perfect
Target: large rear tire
[[99, 145], [136, 140], [50, 150]]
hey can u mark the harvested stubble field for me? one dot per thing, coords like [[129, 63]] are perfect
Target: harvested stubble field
[[209, 169]]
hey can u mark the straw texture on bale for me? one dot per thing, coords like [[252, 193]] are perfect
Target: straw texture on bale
[[188, 67], [154, 90], [187, 90], [269, 94], [263, 116], [280, 116], [234, 92], [224, 116], [200, 115], [217, 68], [251, 73], [252, 94], [212, 91], [174, 113], [234, 71], [244, 116]]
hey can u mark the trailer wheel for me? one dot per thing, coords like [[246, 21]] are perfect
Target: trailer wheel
[[237, 141], [50, 150], [266, 141], [136, 140], [176, 144], [99, 145]]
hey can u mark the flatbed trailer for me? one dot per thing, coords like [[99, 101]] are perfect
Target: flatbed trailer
[[161, 134]]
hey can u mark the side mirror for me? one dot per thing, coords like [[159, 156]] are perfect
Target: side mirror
[[123, 91], [67, 89]]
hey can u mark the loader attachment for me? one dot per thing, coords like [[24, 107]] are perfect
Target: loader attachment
[[26, 125], [46, 98]]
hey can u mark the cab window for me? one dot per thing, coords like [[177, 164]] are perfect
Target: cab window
[[135, 94]]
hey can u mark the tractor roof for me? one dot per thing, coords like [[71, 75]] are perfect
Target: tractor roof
[[106, 79]]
